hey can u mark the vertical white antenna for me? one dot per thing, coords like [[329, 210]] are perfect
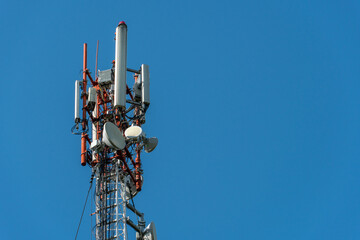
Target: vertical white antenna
[[77, 101], [94, 131], [145, 82], [120, 65]]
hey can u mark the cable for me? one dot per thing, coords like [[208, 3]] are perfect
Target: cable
[[82, 214], [76, 126], [132, 200], [131, 195], [91, 204], [79, 132]]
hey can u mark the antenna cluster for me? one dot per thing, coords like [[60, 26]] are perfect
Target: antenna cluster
[[115, 113]]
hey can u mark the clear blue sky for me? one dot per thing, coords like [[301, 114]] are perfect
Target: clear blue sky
[[255, 103]]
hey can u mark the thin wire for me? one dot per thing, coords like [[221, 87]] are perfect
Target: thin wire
[[77, 129], [132, 200], [131, 195], [91, 204], [82, 214]]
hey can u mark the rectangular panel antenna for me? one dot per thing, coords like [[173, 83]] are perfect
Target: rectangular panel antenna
[[145, 82], [91, 98], [106, 77]]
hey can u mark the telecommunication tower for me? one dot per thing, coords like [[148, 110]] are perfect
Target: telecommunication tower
[[112, 148]]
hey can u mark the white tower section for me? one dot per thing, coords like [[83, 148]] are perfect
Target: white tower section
[[110, 203]]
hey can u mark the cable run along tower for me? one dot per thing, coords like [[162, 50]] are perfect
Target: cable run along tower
[[112, 139]]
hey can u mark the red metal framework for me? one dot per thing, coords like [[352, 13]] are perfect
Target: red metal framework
[[133, 168]]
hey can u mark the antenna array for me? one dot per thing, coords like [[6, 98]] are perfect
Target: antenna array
[[113, 146]]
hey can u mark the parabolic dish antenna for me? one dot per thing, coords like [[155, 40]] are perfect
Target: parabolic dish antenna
[[112, 136], [150, 232], [150, 144], [133, 132]]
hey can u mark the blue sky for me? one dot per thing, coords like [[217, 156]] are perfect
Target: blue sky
[[255, 104]]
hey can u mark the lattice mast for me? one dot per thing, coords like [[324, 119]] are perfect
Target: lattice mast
[[115, 114]]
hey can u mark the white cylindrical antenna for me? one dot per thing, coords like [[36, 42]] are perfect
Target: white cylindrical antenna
[[94, 131], [77, 101], [91, 98], [145, 84], [120, 66]]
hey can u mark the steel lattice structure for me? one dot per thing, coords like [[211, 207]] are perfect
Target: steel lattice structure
[[113, 111]]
